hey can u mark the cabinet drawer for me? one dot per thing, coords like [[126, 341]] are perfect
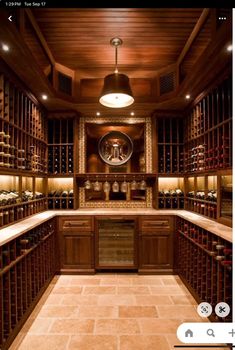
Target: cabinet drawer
[[76, 224], [156, 224]]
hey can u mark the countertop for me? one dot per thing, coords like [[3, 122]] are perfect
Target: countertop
[[10, 232]]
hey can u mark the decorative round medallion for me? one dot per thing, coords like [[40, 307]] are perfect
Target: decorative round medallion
[[115, 148]]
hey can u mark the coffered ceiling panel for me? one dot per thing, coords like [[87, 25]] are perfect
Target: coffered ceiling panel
[[152, 38]]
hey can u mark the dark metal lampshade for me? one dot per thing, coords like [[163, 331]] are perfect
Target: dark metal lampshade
[[116, 91]]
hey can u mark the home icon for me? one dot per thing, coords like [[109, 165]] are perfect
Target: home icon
[[189, 333]]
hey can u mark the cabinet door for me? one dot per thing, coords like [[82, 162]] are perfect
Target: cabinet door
[[77, 253], [156, 253]]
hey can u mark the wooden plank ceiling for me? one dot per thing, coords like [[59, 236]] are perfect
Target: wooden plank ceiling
[[184, 42], [152, 38]]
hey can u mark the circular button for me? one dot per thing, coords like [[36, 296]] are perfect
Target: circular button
[[204, 309], [222, 309]]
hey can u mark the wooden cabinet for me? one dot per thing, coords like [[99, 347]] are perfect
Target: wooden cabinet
[[156, 244], [76, 241]]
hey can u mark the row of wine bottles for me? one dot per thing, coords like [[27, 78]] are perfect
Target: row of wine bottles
[[211, 195], [13, 197], [61, 203], [60, 159], [170, 159]]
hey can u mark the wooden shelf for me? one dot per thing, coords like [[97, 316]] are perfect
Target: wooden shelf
[[118, 176]]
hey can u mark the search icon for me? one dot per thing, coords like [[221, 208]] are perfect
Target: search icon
[[210, 332]]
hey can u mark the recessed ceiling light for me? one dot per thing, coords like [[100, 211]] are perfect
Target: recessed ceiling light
[[5, 47], [97, 113], [230, 48], [44, 97], [132, 113], [187, 97]]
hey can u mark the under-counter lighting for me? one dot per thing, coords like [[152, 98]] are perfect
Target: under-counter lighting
[[187, 97], [98, 113], [44, 97], [5, 47], [230, 48], [132, 113]]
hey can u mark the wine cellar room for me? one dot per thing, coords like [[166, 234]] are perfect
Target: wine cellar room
[[115, 176]]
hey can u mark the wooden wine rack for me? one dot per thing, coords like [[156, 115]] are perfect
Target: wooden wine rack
[[208, 131], [204, 262], [60, 146], [60, 202], [14, 212], [23, 131], [170, 202], [198, 199], [23, 147], [27, 265], [170, 145]]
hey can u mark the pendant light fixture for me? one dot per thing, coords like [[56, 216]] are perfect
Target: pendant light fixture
[[116, 91]]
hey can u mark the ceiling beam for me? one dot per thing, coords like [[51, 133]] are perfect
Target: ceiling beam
[[197, 28], [40, 36]]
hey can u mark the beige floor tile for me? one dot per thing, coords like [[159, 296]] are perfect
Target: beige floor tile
[[72, 299], [171, 282], [117, 326], [148, 281], [58, 311], [141, 313], [133, 290], [64, 281], [84, 282], [167, 290], [112, 300], [67, 290], [40, 326], [146, 277], [54, 299], [108, 282], [158, 326], [82, 277], [183, 300], [105, 275], [98, 311], [177, 311], [142, 342], [93, 342], [153, 300], [44, 342], [125, 281], [72, 326], [137, 311], [99, 290]]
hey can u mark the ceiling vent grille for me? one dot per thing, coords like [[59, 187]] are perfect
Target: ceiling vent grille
[[167, 83], [64, 84]]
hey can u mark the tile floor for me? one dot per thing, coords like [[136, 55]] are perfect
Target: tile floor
[[108, 312]]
